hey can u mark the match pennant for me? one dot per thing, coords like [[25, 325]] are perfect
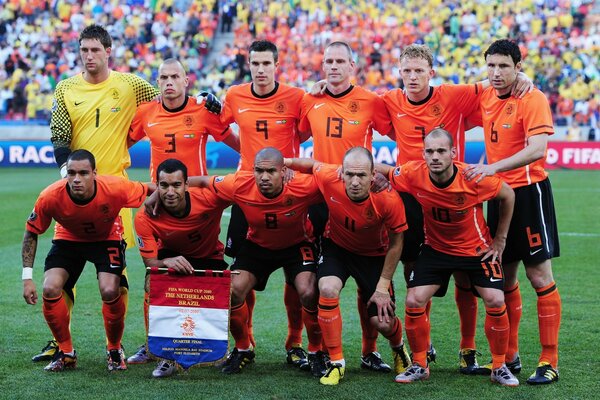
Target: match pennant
[[189, 316]]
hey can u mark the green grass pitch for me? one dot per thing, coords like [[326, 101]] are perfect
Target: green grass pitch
[[24, 331]]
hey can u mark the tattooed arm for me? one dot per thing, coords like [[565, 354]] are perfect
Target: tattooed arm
[[28, 250]]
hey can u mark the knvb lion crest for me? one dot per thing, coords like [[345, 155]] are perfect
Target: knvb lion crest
[[115, 94], [436, 110], [280, 107], [459, 199], [188, 326], [288, 200], [353, 106], [510, 108], [188, 121]]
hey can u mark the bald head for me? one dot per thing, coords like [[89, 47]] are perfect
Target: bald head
[[359, 153], [439, 133], [269, 154], [172, 63]]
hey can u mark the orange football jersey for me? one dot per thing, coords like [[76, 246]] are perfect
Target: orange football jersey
[[96, 220], [275, 223], [181, 133], [360, 228], [264, 121], [195, 235], [340, 122], [507, 124], [453, 214], [447, 107]]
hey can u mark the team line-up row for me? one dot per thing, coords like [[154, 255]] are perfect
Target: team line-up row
[[360, 233]]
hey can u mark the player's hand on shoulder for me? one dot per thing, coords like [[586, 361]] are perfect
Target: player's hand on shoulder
[[478, 171], [318, 89], [288, 175], [523, 85], [29, 292], [211, 103], [152, 205], [380, 183]]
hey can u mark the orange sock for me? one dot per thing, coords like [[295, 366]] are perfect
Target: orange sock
[[114, 322], [369, 332], [238, 325], [293, 307], [250, 301], [330, 320], [497, 332], [57, 314], [466, 302], [313, 330], [549, 308], [514, 309], [146, 307], [417, 331], [395, 338]]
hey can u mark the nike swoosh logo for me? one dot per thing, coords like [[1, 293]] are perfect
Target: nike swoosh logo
[[78, 103], [498, 330], [421, 195], [334, 200], [243, 110], [307, 262], [488, 112], [534, 252], [495, 279], [546, 316], [317, 106], [150, 125], [400, 115], [114, 266]]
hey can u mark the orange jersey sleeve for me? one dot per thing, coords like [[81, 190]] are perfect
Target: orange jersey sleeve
[[264, 121], [195, 235], [275, 223], [181, 133], [447, 106], [453, 214], [96, 220], [507, 124], [361, 228], [340, 122]]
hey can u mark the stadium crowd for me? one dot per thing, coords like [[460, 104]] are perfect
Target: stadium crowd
[[559, 38]]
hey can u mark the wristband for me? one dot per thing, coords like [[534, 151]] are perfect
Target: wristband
[[27, 273]]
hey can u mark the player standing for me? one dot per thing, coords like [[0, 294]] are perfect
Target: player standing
[[516, 139]]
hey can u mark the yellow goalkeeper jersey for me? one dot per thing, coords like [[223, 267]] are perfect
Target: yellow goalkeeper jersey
[[96, 117]]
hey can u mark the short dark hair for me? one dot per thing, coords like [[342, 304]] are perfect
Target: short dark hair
[[80, 155], [504, 47], [264, 45], [96, 32], [171, 165], [361, 150]]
